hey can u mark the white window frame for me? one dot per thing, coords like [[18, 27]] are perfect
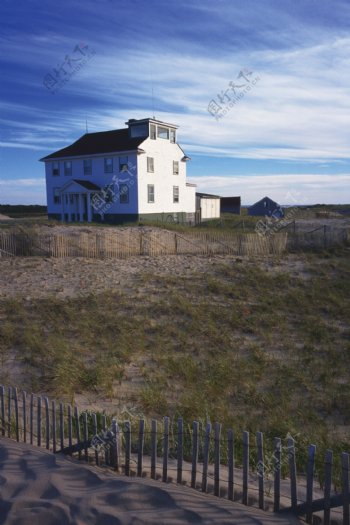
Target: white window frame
[[150, 164], [176, 167], [68, 170], [56, 195], [162, 129], [150, 193], [108, 168], [172, 136], [55, 168], [124, 194], [176, 194], [87, 168], [153, 132], [123, 163]]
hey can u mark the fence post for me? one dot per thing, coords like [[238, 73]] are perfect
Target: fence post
[[165, 449], [292, 473], [95, 431], [140, 447], [327, 487], [345, 487], [86, 435], [206, 457], [70, 434], [104, 428], [231, 464], [127, 447], [61, 426], [194, 454], [153, 448], [39, 422], [180, 436], [261, 469], [245, 466], [310, 482], [77, 427], [217, 432], [9, 412], [54, 431], [24, 412], [31, 418], [277, 474], [47, 426], [2, 397], [141, 243], [15, 398], [115, 429]]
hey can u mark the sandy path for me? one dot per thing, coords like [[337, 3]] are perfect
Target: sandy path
[[38, 487]]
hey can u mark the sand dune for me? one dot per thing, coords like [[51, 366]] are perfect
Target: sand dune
[[40, 488]]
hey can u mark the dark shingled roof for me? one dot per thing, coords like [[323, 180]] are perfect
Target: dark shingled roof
[[102, 142]]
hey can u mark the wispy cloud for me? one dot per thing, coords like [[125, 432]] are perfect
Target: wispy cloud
[[297, 112], [282, 187]]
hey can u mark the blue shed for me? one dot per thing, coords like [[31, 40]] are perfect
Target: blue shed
[[266, 207]]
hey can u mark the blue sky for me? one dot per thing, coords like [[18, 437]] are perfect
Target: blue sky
[[285, 135]]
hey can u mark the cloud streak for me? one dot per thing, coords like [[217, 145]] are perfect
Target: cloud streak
[[297, 113]]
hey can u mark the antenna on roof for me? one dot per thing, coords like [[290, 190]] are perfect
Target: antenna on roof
[[152, 97]]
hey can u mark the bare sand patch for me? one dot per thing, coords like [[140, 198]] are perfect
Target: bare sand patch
[[46, 489]]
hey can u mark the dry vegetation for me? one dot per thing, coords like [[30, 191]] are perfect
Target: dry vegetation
[[258, 344], [255, 344]]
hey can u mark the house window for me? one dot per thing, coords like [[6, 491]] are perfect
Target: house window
[[123, 163], [163, 133], [87, 167], [108, 193], [55, 168], [150, 192], [56, 196], [109, 165], [172, 136], [67, 167], [153, 132], [175, 193], [150, 164], [124, 194], [175, 167]]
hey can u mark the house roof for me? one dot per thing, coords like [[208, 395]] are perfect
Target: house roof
[[101, 142]]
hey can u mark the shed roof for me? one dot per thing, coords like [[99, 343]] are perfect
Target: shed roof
[[207, 196], [270, 201]]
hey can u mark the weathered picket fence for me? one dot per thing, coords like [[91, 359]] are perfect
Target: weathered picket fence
[[320, 237], [200, 456], [129, 242]]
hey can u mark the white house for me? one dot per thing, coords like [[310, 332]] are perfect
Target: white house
[[123, 175]]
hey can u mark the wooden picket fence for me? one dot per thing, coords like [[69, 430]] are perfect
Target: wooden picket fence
[[200, 456], [126, 243]]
